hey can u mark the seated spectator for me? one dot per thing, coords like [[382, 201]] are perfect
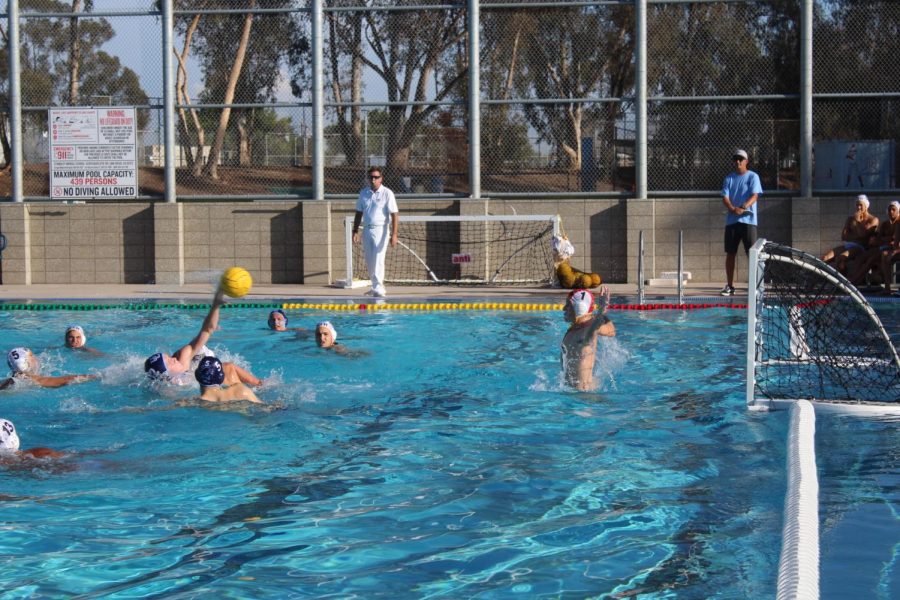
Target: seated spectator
[[880, 251], [25, 365], [858, 229]]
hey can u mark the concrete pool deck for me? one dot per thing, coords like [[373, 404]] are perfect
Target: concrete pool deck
[[298, 292]]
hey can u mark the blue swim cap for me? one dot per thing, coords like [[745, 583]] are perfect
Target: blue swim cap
[[209, 371], [155, 366], [272, 318]]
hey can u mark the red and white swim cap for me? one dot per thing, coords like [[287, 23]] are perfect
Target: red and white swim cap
[[582, 302]]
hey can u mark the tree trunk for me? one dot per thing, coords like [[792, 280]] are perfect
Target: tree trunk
[[356, 145], [188, 141], [211, 168], [244, 143], [4, 141], [74, 54], [350, 133]]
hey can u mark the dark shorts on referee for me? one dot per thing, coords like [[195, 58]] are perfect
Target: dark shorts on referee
[[737, 233]]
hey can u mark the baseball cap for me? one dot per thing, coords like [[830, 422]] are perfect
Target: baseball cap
[[738, 153]]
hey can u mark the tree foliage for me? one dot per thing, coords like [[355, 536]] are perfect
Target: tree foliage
[[566, 53], [242, 57]]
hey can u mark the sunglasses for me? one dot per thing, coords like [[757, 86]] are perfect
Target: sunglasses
[[738, 158], [374, 176]]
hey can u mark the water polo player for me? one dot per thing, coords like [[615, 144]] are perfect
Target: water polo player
[[278, 320], [170, 367], [579, 345], [25, 365], [9, 445], [211, 374], [76, 339]]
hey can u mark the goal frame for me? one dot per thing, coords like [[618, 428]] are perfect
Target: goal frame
[[755, 280], [350, 282]]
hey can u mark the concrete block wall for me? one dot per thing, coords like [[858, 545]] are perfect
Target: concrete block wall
[[702, 223], [303, 242], [266, 238], [83, 243]]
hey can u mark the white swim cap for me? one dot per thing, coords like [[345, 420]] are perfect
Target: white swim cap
[[864, 199], [18, 360], [327, 325], [9, 441], [582, 302], [79, 329]]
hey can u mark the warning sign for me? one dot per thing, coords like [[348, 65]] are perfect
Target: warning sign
[[93, 153]]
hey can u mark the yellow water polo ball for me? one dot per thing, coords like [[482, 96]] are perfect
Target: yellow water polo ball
[[236, 282]]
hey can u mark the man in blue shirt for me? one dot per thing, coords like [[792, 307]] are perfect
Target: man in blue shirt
[[740, 192]]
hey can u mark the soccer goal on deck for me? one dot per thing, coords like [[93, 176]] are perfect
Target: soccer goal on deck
[[480, 250], [812, 335]]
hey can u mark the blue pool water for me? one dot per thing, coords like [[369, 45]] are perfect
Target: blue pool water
[[447, 461]]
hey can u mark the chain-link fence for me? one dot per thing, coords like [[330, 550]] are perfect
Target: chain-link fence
[[556, 94]]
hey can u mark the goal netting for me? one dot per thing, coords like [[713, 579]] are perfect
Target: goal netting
[[811, 334], [492, 250]]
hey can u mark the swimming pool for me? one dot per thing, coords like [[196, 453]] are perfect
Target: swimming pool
[[448, 461]]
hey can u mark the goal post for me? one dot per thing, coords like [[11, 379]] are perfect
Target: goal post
[[461, 250], [812, 335]]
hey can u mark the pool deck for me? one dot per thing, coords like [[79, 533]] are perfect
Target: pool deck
[[292, 292]]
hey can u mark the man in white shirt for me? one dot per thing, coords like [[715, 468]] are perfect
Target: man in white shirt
[[375, 209]]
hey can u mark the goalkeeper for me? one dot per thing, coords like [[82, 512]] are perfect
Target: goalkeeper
[[579, 345]]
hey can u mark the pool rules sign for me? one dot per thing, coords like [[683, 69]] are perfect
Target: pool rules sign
[[93, 153]]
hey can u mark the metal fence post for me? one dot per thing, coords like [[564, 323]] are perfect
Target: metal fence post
[[640, 273], [318, 103], [806, 99], [680, 266], [474, 18], [15, 102], [168, 37], [640, 85]]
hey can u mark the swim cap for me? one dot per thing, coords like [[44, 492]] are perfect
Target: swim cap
[[9, 441], [272, 318], [327, 325], [79, 329], [864, 199], [582, 302], [155, 366], [17, 359], [209, 371]]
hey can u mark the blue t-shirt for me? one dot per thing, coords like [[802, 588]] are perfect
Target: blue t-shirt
[[738, 189]]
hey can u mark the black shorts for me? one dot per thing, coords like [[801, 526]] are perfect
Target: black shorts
[[737, 233]]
